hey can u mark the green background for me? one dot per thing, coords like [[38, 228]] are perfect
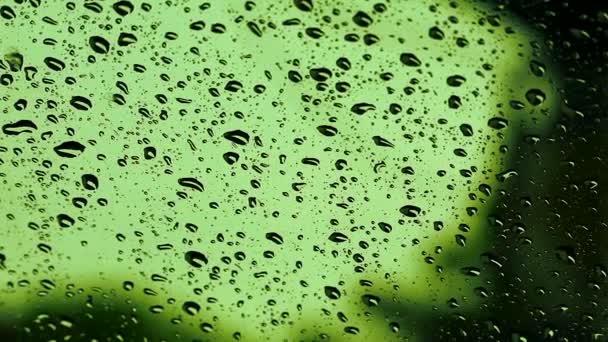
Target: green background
[[144, 203]]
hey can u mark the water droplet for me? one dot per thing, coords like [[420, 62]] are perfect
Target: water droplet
[[128, 285], [195, 259], [156, 309], [436, 33], [274, 237], [191, 183], [294, 76], [14, 60], [7, 12], [254, 28], [320, 74], [65, 221], [535, 97], [206, 327], [537, 68], [238, 137], [380, 141], [149, 152], [410, 59], [338, 237], [123, 8], [466, 130], [370, 300], [233, 86], [314, 32], [343, 63], [126, 39], [54, 64], [503, 176], [332, 292], [566, 254], [81, 103], [191, 308], [362, 19], [454, 102], [93, 6], [197, 25], [517, 105], [99, 44], [498, 123], [385, 227], [303, 5], [410, 210], [351, 330], [69, 149], [328, 131], [89, 182], [43, 247], [362, 108], [456, 80], [21, 126], [471, 271]]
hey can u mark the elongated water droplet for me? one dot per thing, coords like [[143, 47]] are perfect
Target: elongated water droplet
[[362, 108], [332, 292], [21, 126], [81, 103], [274, 237], [89, 182], [191, 308], [99, 44], [410, 210], [54, 64], [195, 259], [191, 183], [362, 19], [238, 137], [123, 7], [338, 237], [69, 149], [380, 141], [410, 59], [328, 131], [535, 97], [303, 5]]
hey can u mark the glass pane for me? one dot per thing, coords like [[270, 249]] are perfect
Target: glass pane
[[302, 170]]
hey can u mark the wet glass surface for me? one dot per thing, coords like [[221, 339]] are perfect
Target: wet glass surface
[[302, 170]]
